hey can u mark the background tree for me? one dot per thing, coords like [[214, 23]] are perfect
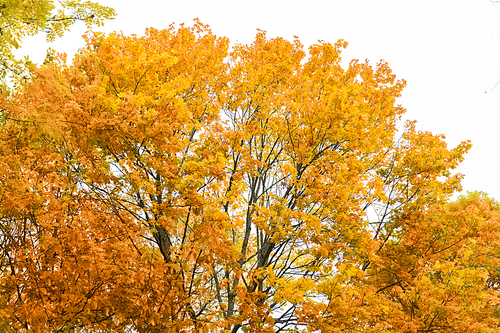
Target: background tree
[[165, 183], [440, 267], [22, 18], [435, 270]]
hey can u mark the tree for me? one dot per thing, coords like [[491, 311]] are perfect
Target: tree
[[166, 183], [22, 18], [434, 270], [439, 272]]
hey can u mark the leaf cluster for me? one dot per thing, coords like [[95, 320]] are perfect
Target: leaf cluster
[[22, 18]]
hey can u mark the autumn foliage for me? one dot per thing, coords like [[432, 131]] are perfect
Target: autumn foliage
[[168, 183], [52, 18]]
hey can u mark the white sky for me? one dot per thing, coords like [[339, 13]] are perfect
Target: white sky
[[448, 51]]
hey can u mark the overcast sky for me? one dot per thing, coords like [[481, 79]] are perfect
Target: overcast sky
[[448, 51]]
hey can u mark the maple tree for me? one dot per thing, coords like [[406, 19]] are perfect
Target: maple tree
[[439, 272], [166, 183], [22, 18]]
